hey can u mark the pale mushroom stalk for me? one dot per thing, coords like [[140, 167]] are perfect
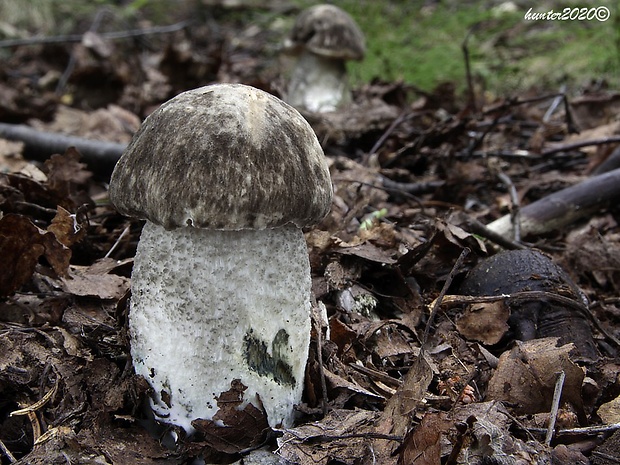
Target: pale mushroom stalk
[[212, 306], [318, 83], [226, 176]]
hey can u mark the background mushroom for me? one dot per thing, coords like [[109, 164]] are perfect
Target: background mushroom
[[225, 175], [324, 37]]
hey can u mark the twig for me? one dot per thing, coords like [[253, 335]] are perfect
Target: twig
[[603, 455], [414, 188], [570, 123], [476, 227], [554, 104], [120, 238], [319, 349], [515, 216], [578, 145], [436, 304], [7, 452], [38, 404], [534, 295], [339, 437], [471, 94], [555, 406], [64, 78], [402, 117], [577, 431], [105, 35]]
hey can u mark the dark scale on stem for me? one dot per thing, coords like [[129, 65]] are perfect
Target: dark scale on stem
[[260, 361]]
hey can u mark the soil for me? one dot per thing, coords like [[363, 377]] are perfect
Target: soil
[[404, 369]]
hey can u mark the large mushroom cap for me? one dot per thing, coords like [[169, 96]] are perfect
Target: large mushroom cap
[[327, 30], [225, 156]]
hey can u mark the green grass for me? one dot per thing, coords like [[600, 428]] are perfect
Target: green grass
[[423, 45]]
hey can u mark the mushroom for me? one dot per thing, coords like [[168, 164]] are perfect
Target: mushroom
[[324, 37], [226, 176]]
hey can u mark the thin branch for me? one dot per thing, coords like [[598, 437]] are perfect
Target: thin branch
[[578, 145], [104, 35], [533, 295], [118, 241], [7, 452], [470, 83], [64, 78], [402, 117], [474, 226], [564, 207], [515, 216], [554, 104], [588, 430], [436, 304], [555, 406]]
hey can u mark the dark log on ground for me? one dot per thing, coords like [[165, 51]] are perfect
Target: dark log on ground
[[564, 207], [100, 156]]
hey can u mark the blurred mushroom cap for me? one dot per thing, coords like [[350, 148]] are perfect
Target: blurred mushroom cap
[[328, 31]]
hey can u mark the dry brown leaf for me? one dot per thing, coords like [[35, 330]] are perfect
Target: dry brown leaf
[[64, 173], [484, 322], [243, 428], [458, 236], [88, 281], [422, 445], [67, 228], [341, 435], [526, 376], [610, 411], [335, 382], [21, 246], [369, 252]]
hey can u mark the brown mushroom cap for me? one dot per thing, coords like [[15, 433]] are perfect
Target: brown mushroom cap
[[225, 156], [328, 31]]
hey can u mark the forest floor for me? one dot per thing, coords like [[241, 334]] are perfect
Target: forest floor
[[409, 368]]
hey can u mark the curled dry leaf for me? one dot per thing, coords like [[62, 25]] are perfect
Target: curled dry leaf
[[21, 246], [89, 281], [233, 428], [422, 445], [526, 376], [67, 227]]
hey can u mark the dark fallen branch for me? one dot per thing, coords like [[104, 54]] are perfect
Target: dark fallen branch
[[578, 145], [104, 35], [611, 163], [100, 156], [564, 207]]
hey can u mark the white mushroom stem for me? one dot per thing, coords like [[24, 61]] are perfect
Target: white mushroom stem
[[211, 306], [318, 83]]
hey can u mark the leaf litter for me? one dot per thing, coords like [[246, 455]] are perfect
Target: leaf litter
[[386, 383]]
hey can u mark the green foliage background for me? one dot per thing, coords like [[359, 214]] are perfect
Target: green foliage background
[[418, 41]]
